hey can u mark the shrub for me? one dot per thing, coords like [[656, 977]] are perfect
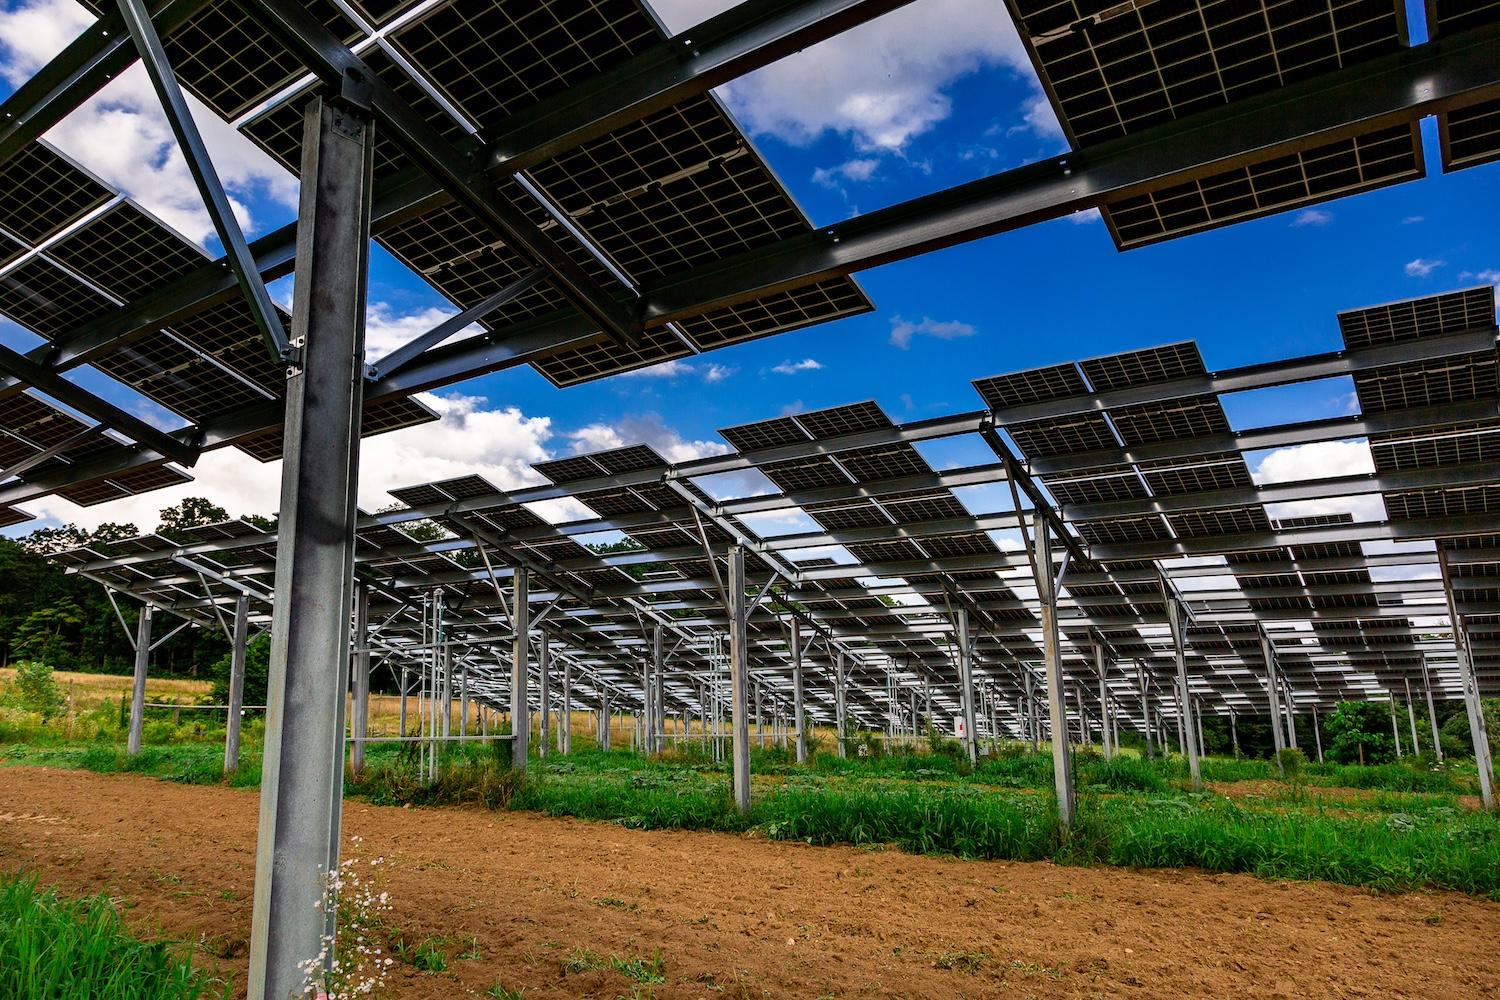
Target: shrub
[[1293, 761], [35, 689]]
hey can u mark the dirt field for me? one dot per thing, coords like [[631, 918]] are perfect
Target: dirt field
[[737, 916]]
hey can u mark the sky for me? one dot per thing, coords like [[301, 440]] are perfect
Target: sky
[[932, 95]]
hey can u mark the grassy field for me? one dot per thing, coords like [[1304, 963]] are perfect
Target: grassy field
[[1390, 828]]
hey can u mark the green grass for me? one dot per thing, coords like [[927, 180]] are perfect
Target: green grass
[[56, 949], [1409, 833]]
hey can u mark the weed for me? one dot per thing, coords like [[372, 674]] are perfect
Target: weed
[[969, 962]]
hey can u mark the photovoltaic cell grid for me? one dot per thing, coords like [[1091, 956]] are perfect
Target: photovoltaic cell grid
[[679, 188], [1113, 70], [1467, 136]]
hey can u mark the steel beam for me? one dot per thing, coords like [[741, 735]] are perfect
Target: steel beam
[[302, 783], [332, 61], [360, 724], [739, 680], [965, 647], [1437, 741], [544, 692], [205, 177], [239, 639], [49, 383], [1273, 693]]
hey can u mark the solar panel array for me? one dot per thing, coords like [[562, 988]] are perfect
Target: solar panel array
[[1113, 70], [874, 548], [1468, 135]]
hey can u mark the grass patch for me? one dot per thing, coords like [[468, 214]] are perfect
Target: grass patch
[[56, 949]]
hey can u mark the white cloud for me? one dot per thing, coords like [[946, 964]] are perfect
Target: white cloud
[[469, 438], [1422, 268], [666, 369], [859, 169], [718, 373], [1086, 216], [122, 135], [790, 367], [386, 329], [1412, 220], [902, 330], [1489, 276], [645, 428], [879, 84], [1318, 460], [1312, 217]]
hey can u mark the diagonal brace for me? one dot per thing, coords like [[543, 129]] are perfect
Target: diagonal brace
[[201, 166]]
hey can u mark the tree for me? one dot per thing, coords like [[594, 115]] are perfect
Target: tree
[[257, 670], [191, 513], [1457, 740], [36, 690], [49, 634], [1359, 732]]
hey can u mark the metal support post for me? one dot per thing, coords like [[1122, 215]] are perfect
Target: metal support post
[[1104, 736], [138, 683], [966, 680], [1478, 731], [1317, 735], [238, 641], [1274, 694], [360, 669], [1291, 711], [839, 706], [1411, 717], [1184, 696], [303, 769], [520, 668], [1140, 676], [544, 694], [1062, 754], [799, 692], [1437, 741], [739, 679], [1234, 733], [565, 715], [1395, 728], [654, 722]]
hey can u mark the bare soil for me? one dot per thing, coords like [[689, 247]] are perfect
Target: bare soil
[[741, 916]]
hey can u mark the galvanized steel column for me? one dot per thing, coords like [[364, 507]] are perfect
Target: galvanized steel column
[[236, 684], [840, 707], [138, 682], [1062, 754], [1184, 696], [302, 779], [520, 668], [966, 682], [739, 679], [360, 724], [1274, 692], [1437, 742], [544, 695], [798, 692]]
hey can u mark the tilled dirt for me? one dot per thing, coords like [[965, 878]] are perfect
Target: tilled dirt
[[740, 916]]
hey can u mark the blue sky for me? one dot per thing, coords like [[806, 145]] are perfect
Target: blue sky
[[950, 99]]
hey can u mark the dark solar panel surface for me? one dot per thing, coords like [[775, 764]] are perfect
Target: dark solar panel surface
[[1114, 69], [1281, 183], [1430, 316], [42, 191]]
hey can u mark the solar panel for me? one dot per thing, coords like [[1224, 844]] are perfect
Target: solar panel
[[1154, 364], [1222, 471], [1193, 416], [1427, 383], [1292, 180], [1455, 444], [1034, 385], [127, 252], [124, 484], [764, 434], [1065, 436], [11, 516], [42, 191], [1470, 136], [1429, 316], [45, 299], [390, 414]]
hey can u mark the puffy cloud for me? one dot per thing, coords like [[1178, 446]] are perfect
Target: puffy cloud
[[790, 367], [386, 329], [879, 84], [1320, 460], [1422, 268], [122, 135], [718, 373], [1312, 217], [644, 428], [470, 437], [903, 330], [1490, 276]]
